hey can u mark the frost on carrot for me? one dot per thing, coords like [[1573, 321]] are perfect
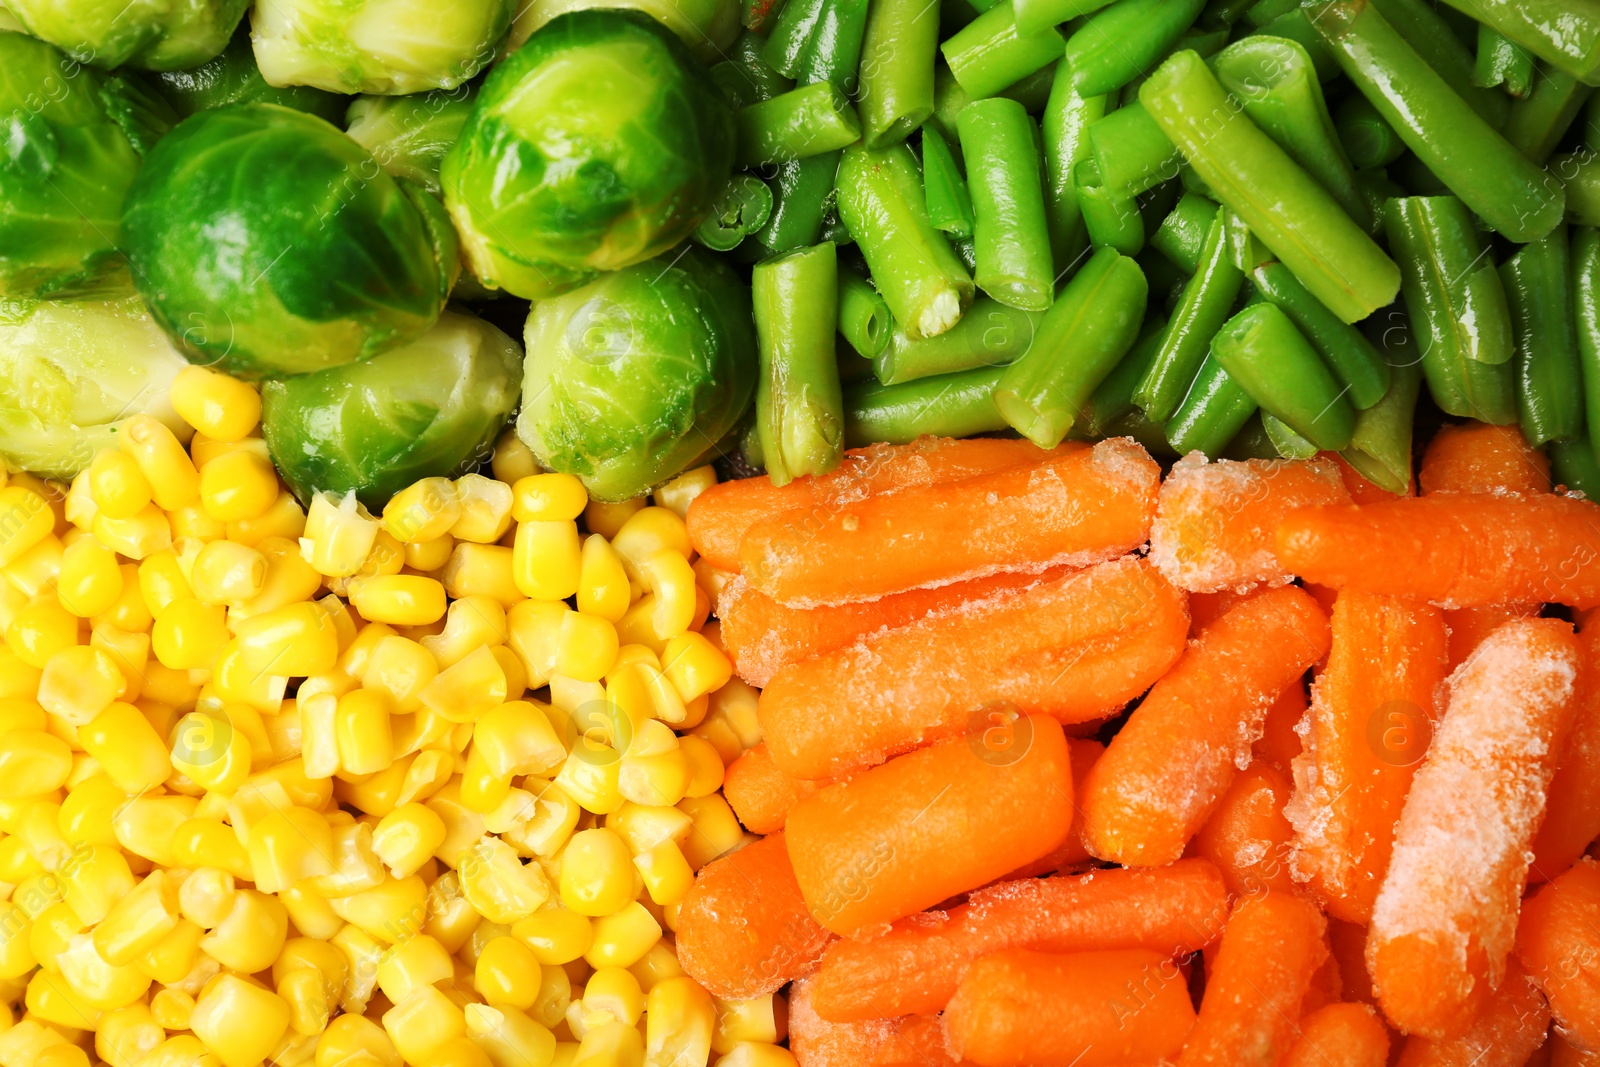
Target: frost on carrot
[[1247, 836], [1339, 1035], [878, 1042], [1479, 458], [1505, 1032]]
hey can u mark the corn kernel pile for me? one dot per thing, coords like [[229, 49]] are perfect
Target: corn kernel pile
[[274, 788]]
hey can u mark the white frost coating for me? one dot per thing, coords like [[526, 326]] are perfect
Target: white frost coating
[[1460, 854]]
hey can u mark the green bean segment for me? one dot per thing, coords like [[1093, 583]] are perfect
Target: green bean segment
[[1212, 414], [800, 198], [1380, 448], [864, 319], [1351, 357], [1012, 242], [1539, 121], [1131, 151], [990, 53], [1560, 32], [1270, 359], [741, 209], [1112, 219], [943, 188], [1426, 31], [1550, 397], [990, 334], [807, 121], [1207, 301], [799, 406], [951, 405], [897, 69], [1122, 41], [1065, 132], [1586, 320], [1501, 61], [1182, 235]]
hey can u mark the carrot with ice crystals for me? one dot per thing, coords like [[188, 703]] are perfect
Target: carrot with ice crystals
[[919, 963], [1076, 648], [719, 517], [878, 1042], [1558, 940], [1164, 771], [1216, 521], [1280, 742], [1446, 914], [1572, 809], [1505, 1033], [1479, 458], [1339, 1035], [1247, 837], [1460, 550], [1074, 508]]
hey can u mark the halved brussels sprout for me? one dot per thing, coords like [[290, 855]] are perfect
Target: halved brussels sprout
[[232, 78], [71, 371], [637, 375], [148, 34], [432, 407], [268, 243], [598, 144], [377, 46], [409, 135], [708, 27]]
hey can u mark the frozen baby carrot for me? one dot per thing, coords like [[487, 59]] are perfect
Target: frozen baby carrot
[[1339, 1035], [1372, 710], [878, 1042], [1572, 810], [1455, 549], [743, 930], [1034, 1009], [1247, 836], [719, 517], [1270, 949], [928, 825], [1468, 627], [1479, 458], [1077, 648], [1165, 770], [1280, 742], [1075, 508], [1216, 521], [1073, 850], [1446, 914], [918, 964], [1510, 1028], [760, 794], [1558, 941]]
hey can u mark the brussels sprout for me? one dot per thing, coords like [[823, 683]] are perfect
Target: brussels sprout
[[377, 46], [232, 78], [70, 371], [599, 144], [268, 243], [148, 34], [8, 21], [432, 407], [409, 135], [637, 375], [708, 27]]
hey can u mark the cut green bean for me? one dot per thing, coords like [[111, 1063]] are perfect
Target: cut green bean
[[1277, 85], [1117, 44], [1283, 205], [1426, 31], [1113, 399], [1560, 32], [943, 187], [800, 196], [1580, 175], [1065, 132], [1205, 305], [1001, 145], [741, 209], [1112, 221], [1539, 121], [989, 53], [1132, 152], [799, 404], [1351, 357], [897, 61], [1586, 320], [1499, 183], [1501, 61], [1550, 397], [834, 52], [803, 122], [1296, 27], [758, 16], [1285, 442], [1213, 412], [1263, 12], [880, 200], [1367, 137], [990, 334], [1573, 465], [1080, 339], [1261, 349], [951, 405], [1182, 235], [1380, 448], [1244, 247], [791, 31], [1035, 15], [864, 319], [1457, 308], [744, 76]]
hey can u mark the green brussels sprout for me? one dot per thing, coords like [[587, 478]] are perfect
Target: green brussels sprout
[[429, 408], [377, 46], [148, 34], [71, 371], [8, 21], [409, 135], [708, 27], [268, 243], [639, 374], [598, 144], [69, 148], [232, 78]]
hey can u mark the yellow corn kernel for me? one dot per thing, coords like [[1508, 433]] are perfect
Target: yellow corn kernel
[[653, 771], [339, 535], [555, 996], [226, 573], [252, 934], [25, 520], [146, 826], [86, 813], [362, 952], [648, 531], [705, 766], [356, 656], [177, 959], [547, 559], [300, 639], [716, 829], [679, 1021], [512, 460], [204, 449], [130, 652], [16, 951], [485, 509], [678, 494], [209, 843], [457, 1052], [548, 498], [189, 635], [731, 723], [39, 568], [597, 876], [79, 683], [546, 829], [611, 1045], [694, 666], [451, 919], [612, 995], [515, 739], [481, 789], [287, 844], [391, 912], [94, 879], [534, 634], [283, 518], [40, 630], [361, 728], [95, 982], [206, 896], [171, 1008], [146, 533], [757, 1054], [355, 1041], [497, 883], [666, 874], [181, 1050], [508, 1036], [32, 762], [239, 1022], [137, 922], [422, 1022], [236, 683], [287, 580], [606, 519], [51, 933], [128, 611], [216, 405], [125, 1036], [422, 511], [425, 775], [210, 751], [603, 587], [467, 690], [760, 1019], [622, 938], [471, 622], [162, 582], [307, 995], [38, 827], [116, 484], [431, 555], [173, 479], [89, 582], [356, 868], [507, 974], [555, 935], [590, 775], [406, 838], [18, 682], [194, 522], [658, 965], [481, 570], [670, 581], [21, 712], [586, 646], [411, 965], [399, 599]]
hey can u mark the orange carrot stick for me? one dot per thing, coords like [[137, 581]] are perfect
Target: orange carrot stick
[[1446, 914], [1362, 491], [1558, 941], [1372, 712], [760, 794], [1509, 1029], [1076, 648], [762, 636], [1166, 769], [1572, 812], [1072, 509], [719, 517], [817, 1042], [1073, 851], [1478, 458], [743, 930], [1279, 743], [930, 824], [1339, 1035], [918, 964], [1247, 836], [1215, 521], [1270, 949], [1455, 549], [1034, 1009]]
